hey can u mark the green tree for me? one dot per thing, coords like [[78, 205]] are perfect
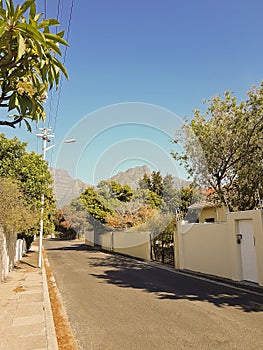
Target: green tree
[[29, 66], [153, 186], [152, 199], [63, 224], [188, 196], [153, 183], [34, 178], [15, 215], [95, 205], [157, 183], [113, 189], [171, 196], [145, 182], [31, 174], [123, 193], [222, 149], [76, 215]]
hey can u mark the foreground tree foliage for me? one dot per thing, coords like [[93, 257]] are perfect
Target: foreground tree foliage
[[31, 175], [15, 215], [29, 66], [222, 149]]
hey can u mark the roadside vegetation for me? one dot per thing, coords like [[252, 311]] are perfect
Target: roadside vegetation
[[29, 68], [24, 177], [222, 149], [154, 206]]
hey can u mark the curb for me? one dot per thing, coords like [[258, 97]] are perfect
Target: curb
[[52, 343], [68, 342], [240, 285], [245, 286]]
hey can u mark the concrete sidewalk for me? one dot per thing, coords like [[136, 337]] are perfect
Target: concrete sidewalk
[[26, 321]]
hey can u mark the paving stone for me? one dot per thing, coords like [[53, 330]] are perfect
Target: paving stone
[[23, 311], [27, 320], [34, 296]]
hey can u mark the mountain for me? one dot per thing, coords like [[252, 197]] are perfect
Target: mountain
[[66, 188], [179, 183], [131, 176]]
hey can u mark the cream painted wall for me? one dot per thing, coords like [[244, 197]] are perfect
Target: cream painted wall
[[132, 243], [89, 238], [219, 214], [212, 248], [136, 244], [204, 248]]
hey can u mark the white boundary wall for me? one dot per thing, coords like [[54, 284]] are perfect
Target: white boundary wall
[[7, 253]]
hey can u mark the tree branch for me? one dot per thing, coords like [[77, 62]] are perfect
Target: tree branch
[[13, 123]]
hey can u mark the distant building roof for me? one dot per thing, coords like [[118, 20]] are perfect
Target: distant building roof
[[202, 205]]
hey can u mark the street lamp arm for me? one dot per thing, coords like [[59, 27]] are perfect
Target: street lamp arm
[[57, 143]]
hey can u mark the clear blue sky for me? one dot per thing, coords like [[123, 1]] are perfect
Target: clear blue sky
[[168, 53]]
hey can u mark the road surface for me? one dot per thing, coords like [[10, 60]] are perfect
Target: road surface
[[114, 302]]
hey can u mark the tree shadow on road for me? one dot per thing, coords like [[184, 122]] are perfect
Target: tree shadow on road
[[164, 284], [71, 246]]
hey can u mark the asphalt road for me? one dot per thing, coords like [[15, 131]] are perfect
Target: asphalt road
[[114, 302]]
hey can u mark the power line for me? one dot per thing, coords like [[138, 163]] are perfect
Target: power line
[[59, 7], [45, 9], [64, 60], [50, 113]]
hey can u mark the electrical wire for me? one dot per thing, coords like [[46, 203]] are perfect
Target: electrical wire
[[45, 9], [59, 8], [42, 122], [51, 93], [64, 60]]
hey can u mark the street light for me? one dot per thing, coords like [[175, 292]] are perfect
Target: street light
[[46, 138]]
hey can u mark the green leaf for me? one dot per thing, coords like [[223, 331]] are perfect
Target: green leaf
[[50, 78], [26, 6], [33, 32], [10, 8], [55, 74], [21, 47], [61, 34], [13, 102], [54, 47], [32, 10], [49, 22], [39, 48], [37, 17], [56, 38], [28, 126], [61, 67], [22, 104], [2, 27]]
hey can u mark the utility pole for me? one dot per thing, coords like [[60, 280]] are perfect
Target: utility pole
[[46, 137]]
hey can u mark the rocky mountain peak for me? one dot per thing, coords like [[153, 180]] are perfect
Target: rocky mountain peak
[[131, 176]]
